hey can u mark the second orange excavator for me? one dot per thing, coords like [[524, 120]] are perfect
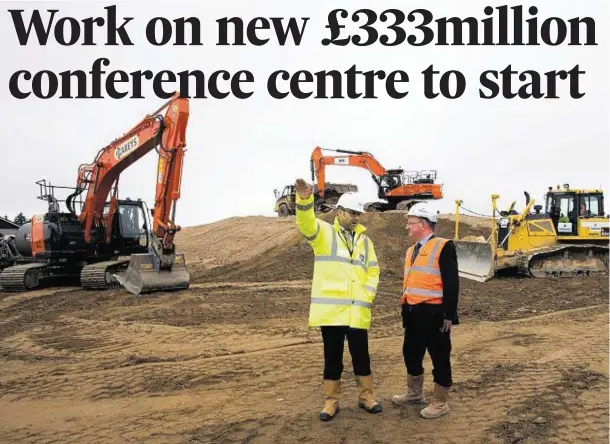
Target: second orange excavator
[[398, 188]]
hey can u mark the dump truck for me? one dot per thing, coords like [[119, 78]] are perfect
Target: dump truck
[[285, 202]]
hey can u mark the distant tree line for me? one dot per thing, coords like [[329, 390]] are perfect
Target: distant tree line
[[20, 219]]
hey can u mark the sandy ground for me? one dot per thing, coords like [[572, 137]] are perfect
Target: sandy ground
[[232, 360]]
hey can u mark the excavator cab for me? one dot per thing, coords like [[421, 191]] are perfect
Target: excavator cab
[[131, 227], [152, 266], [393, 179]]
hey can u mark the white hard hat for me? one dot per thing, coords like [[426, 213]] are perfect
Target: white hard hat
[[351, 201], [425, 211]]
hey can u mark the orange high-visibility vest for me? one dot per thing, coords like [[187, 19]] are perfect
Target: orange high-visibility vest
[[422, 281]]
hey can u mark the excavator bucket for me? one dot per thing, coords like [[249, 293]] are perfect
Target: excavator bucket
[[475, 260], [143, 275]]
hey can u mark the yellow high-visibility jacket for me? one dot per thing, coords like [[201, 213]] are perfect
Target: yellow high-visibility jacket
[[344, 285]]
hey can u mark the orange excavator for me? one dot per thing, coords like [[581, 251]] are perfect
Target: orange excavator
[[92, 243], [399, 188]]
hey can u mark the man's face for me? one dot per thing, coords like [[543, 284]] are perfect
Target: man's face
[[416, 227], [348, 219]]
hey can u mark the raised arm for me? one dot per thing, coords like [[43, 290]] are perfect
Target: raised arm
[[313, 229]]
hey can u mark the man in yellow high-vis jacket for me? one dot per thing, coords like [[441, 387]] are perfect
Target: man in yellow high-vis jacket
[[345, 278]]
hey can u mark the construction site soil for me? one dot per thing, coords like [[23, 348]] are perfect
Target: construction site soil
[[231, 360]]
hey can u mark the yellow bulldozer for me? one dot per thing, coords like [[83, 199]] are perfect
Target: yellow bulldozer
[[569, 238]]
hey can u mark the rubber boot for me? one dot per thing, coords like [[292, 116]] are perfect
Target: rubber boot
[[439, 405], [365, 398], [414, 393], [332, 390]]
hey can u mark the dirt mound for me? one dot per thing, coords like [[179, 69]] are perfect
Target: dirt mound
[[290, 257], [473, 221], [232, 240]]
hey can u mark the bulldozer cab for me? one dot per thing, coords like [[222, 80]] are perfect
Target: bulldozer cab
[[577, 213]]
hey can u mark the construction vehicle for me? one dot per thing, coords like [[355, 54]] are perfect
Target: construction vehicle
[[570, 238], [108, 243], [285, 203], [398, 188]]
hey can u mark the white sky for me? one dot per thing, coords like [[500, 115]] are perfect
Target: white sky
[[240, 150]]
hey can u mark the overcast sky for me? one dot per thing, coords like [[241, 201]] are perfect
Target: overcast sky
[[239, 151]]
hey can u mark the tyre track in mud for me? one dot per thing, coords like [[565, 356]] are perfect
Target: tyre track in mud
[[238, 396]]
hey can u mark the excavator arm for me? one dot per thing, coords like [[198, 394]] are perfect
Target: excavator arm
[[352, 158], [166, 134]]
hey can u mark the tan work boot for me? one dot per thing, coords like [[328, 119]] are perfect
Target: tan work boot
[[414, 394], [365, 398], [332, 390], [438, 406]]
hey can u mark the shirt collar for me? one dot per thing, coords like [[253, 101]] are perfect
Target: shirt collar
[[425, 239]]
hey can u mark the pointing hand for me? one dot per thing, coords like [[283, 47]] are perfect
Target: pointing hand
[[303, 188]]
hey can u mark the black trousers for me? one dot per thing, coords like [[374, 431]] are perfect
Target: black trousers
[[334, 341], [422, 332]]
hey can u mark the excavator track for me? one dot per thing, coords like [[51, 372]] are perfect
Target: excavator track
[[23, 277], [566, 261], [99, 276]]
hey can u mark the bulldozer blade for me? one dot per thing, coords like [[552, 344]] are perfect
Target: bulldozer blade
[[142, 276], [475, 260]]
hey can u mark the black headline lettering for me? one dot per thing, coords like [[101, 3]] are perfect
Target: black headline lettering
[[259, 23], [500, 25], [532, 84], [114, 33], [420, 28], [300, 84], [167, 30], [445, 83], [220, 84]]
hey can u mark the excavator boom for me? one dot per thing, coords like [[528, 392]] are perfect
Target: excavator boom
[[358, 159], [161, 268]]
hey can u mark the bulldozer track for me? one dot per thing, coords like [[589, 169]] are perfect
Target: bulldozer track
[[567, 261], [22, 277], [99, 276]]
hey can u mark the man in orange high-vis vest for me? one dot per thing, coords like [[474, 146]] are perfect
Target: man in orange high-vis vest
[[429, 310]]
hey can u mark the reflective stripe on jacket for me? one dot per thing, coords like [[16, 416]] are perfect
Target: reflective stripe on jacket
[[422, 279], [344, 285]]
